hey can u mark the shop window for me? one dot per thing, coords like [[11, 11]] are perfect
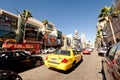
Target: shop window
[[50, 27]]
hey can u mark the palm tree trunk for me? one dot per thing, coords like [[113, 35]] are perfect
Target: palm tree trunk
[[114, 38]]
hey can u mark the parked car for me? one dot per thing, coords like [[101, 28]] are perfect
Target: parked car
[[9, 75], [63, 59], [16, 60], [111, 63], [49, 50], [25, 51], [102, 51], [90, 49], [86, 51]]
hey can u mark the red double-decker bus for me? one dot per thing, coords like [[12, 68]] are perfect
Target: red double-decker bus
[[10, 44]]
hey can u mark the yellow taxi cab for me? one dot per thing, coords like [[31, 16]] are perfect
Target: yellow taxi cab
[[63, 59]]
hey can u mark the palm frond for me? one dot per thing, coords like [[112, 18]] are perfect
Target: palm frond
[[45, 22], [26, 14], [101, 19]]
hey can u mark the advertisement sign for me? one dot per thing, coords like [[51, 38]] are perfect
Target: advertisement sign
[[8, 21], [8, 26], [21, 46], [7, 34], [50, 40]]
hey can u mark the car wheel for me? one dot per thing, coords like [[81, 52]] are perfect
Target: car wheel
[[73, 65], [81, 59], [17, 77], [37, 63], [9, 75]]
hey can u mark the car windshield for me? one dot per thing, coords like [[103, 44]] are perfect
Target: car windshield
[[6, 55], [103, 48], [22, 53], [51, 48], [63, 52], [28, 52]]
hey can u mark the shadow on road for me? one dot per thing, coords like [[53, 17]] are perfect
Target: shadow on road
[[102, 73], [68, 71], [19, 70]]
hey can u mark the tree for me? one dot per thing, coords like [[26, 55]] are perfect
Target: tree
[[107, 13], [22, 19], [99, 37], [45, 23], [26, 14]]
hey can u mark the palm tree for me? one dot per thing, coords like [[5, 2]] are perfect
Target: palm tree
[[99, 37], [23, 18], [107, 13], [26, 14], [45, 23], [98, 33]]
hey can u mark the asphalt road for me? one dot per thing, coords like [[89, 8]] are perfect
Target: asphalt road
[[88, 69]]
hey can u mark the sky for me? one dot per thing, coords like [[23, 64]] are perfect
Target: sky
[[66, 15]]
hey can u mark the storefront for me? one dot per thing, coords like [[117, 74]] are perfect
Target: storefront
[[31, 32], [8, 27]]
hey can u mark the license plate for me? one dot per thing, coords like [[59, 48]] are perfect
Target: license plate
[[53, 60]]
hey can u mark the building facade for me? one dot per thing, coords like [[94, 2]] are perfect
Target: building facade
[[8, 26], [32, 31], [108, 38]]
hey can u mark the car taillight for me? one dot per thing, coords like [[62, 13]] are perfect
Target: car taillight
[[109, 64], [46, 57], [98, 49], [64, 60], [114, 61]]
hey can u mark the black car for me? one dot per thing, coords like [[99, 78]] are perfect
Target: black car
[[9, 75], [111, 63], [17, 60]]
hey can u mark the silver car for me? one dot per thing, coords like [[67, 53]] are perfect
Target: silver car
[[102, 51], [49, 50]]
